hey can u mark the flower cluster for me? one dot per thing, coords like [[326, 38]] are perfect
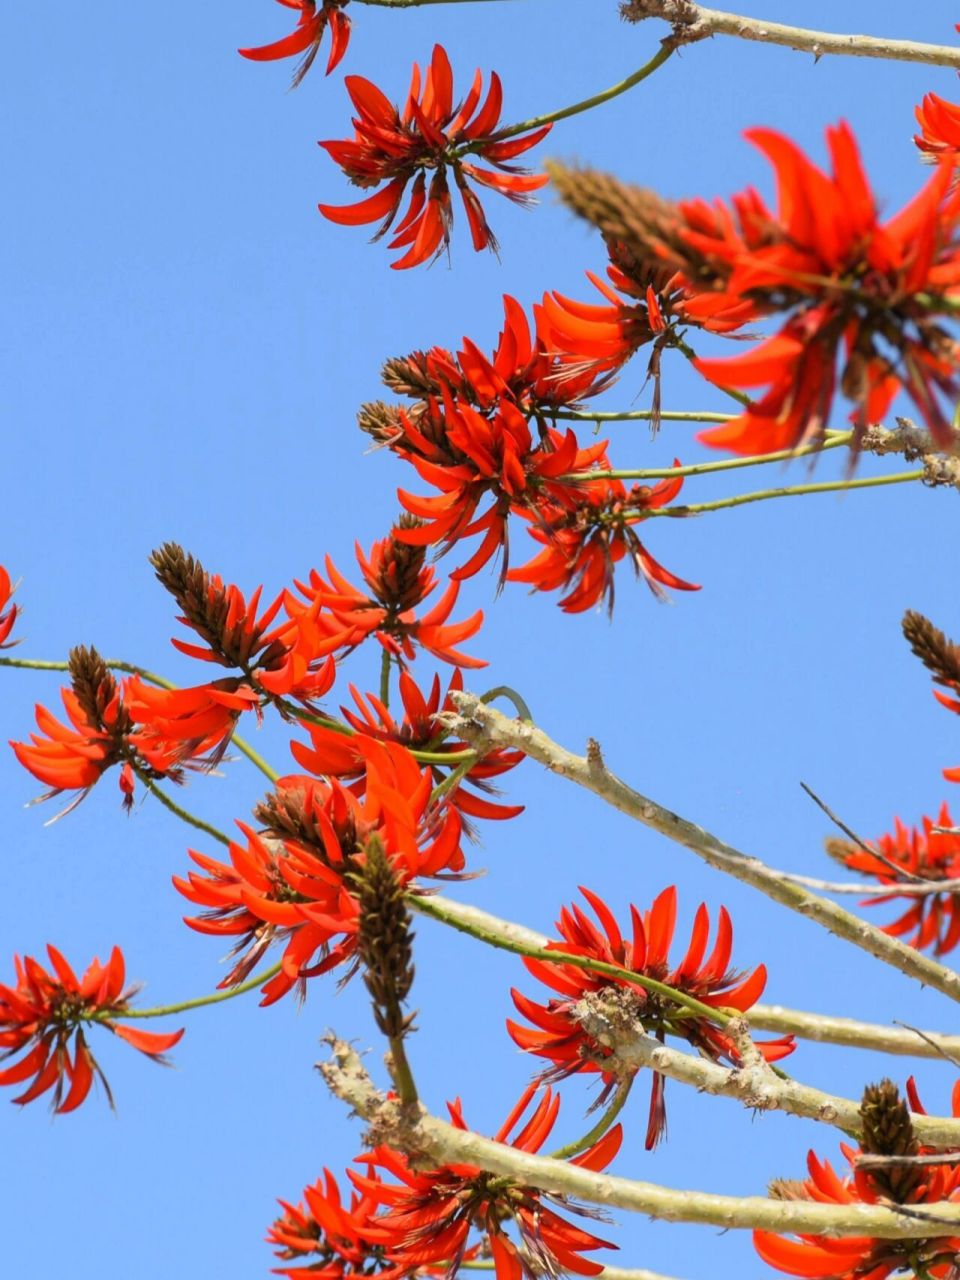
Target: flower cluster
[[557, 1034], [8, 611], [930, 852], [430, 135], [293, 881], [307, 36], [43, 1016], [888, 1131], [147, 731]]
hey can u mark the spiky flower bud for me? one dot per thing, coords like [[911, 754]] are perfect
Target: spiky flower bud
[[888, 1131], [94, 687], [384, 940], [410, 375], [788, 1189], [395, 575], [939, 655], [380, 421]]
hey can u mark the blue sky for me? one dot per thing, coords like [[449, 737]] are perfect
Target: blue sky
[[183, 349]]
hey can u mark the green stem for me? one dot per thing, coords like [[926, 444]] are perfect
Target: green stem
[[794, 491], [603, 1124], [741, 397], [198, 1002], [385, 678], [706, 468], [402, 1075], [183, 814], [504, 691], [117, 664], [429, 907], [451, 781], [598, 99], [425, 757], [640, 415]]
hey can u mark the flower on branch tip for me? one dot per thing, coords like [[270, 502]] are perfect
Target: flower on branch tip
[[291, 882], [939, 121], [148, 731], [887, 1131], [8, 611], [558, 1034], [429, 1214], [282, 661], [307, 35], [428, 137], [44, 1017], [904, 855], [324, 1237], [854, 290], [338, 755], [398, 581], [582, 546]]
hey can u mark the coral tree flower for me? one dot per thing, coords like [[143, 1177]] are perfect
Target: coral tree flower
[[583, 546], [904, 855], [939, 121], [44, 1016], [338, 755], [429, 1215], [430, 136], [855, 290], [887, 1131], [307, 35], [145, 730], [291, 882], [398, 581], [559, 1036], [8, 611], [326, 1238]]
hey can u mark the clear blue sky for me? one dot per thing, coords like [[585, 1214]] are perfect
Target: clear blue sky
[[184, 345]]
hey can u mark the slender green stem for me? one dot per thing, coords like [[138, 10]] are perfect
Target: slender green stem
[[598, 99], [385, 678], [504, 691], [183, 814], [130, 668], [640, 415], [198, 1002], [402, 1075], [451, 781], [603, 1124], [430, 907], [794, 491], [425, 757], [685, 349], [707, 468]]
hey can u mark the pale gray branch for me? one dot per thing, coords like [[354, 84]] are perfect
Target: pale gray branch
[[481, 724], [427, 1139], [692, 22]]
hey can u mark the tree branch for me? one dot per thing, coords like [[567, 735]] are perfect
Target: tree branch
[[476, 721], [754, 1083], [692, 22], [426, 1138]]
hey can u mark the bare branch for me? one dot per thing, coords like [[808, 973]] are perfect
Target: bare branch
[[692, 22], [476, 721], [426, 1138]]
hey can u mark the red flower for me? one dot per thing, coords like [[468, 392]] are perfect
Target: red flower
[[939, 121], [854, 289], [468, 456], [156, 732], [582, 546], [8, 616], [910, 852], [430, 1214], [561, 1039], [307, 35], [44, 1012], [865, 1257], [430, 135], [340, 755], [291, 883], [326, 1238], [398, 581]]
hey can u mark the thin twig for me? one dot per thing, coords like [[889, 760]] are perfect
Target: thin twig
[[860, 843]]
